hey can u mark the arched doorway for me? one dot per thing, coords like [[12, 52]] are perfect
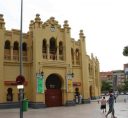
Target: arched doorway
[[53, 94], [9, 94]]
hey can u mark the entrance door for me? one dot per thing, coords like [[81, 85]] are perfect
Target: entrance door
[[53, 97], [53, 94]]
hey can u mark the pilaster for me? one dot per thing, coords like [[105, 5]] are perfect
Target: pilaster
[[2, 37], [84, 69], [36, 28], [67, 43]]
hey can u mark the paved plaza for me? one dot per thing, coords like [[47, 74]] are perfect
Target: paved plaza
[[79, 111]]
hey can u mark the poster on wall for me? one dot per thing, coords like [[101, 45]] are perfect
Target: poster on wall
[[40, 83], [70, 85]]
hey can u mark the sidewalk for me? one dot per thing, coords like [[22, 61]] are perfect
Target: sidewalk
[[79, 111], [91, 110], [121, 107]]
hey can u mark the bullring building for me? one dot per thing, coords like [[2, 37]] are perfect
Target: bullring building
[[56, 67]]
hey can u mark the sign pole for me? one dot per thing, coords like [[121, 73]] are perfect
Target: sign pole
[[21, 63]]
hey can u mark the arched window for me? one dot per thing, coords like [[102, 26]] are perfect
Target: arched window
[[44, 46], [53, 49], [24, 47], [77, 56], [9, 94], [77, 53], [7, 50], [72, 55], [60, 48], [16, 51], [89, 68], [53, 46], [7, 45], [16, 46]]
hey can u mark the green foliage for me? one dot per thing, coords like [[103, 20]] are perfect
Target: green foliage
[[106, 86], [125, 51], [125, 88], [120, 88]]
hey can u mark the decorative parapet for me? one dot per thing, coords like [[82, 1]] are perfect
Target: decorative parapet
[[37, 23], [15, 32], [51, 22]]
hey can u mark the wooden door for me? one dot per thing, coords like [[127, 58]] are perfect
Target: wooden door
[[53, 97]]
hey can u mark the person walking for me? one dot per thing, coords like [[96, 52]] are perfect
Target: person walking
[[103, 104], [111, 106]]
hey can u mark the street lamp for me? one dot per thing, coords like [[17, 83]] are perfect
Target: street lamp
[[70, 75], [114, 82], [20, 79]]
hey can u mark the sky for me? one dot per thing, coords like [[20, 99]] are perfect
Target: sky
[[104, 22]]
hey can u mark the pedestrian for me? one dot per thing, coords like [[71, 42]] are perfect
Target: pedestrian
[[125, 100], [80, 101], [77, 99], [115, 98], [103, 104], [111, 106]]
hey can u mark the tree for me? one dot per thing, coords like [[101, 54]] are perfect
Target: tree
[[125, 51], [106, 86], [120, 88], [125, 86]]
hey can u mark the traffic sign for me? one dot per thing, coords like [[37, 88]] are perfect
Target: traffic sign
[[20, 80]]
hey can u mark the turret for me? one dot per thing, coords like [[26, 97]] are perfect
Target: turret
[[2, 23], [82, 40], [66, 26], [31, 25], [67, 42], [37, 23]]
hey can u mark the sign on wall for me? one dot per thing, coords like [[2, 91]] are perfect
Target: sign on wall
[[40, 83], [70, 85]]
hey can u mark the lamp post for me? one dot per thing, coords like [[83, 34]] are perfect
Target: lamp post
[[21, 62], [20, 79], [114, 82]]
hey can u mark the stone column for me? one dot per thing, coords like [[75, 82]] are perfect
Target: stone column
[[57, 52], [48, 51]]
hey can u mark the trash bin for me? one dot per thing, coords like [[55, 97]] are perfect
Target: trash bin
[[25, 105]]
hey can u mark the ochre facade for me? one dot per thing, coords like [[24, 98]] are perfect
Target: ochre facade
[[49, 52]]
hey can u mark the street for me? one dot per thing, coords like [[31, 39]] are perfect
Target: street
[[79, 111]]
